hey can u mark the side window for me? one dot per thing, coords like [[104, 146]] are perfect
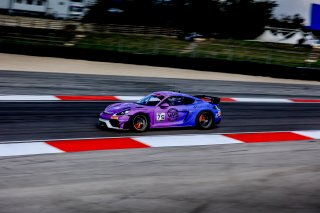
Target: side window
[[187, 101], [153, 101], [173, 100], [178, 100]]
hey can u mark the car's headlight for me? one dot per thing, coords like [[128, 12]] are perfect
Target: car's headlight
[[124, 112]]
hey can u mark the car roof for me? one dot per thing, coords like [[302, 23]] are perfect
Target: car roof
[[171, 93]]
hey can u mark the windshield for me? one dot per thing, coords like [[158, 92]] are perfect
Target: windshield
[[150, 100]]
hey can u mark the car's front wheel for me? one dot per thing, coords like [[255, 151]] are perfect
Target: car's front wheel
[[139, 123], [205, 120]]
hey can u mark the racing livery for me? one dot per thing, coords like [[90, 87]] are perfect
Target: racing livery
[[163, 109]]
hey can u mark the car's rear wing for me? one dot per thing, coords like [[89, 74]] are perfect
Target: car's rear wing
[[213, 100]]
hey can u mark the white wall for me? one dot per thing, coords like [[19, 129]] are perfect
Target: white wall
[[58, 8], [4, 4], [29, 7]]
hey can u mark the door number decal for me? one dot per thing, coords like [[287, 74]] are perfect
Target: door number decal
[[161, 116]]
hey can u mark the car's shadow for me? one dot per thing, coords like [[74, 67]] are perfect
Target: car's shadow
[[159, 130]]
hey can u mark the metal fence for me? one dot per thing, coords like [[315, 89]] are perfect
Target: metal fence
[[39, 23]]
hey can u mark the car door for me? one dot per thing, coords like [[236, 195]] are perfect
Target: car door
[[173, 114]]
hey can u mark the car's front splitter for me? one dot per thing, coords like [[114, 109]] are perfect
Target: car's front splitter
[[108, 124]]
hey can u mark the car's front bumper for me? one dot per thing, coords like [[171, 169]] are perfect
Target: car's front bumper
[[108, 124], [113, 122]]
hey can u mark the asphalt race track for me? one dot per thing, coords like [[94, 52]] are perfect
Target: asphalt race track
[[63, 120], [264, 177], [244, 178], [26, 83]]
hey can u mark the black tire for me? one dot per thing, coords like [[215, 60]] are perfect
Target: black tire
[[139, 123], [205, 120]]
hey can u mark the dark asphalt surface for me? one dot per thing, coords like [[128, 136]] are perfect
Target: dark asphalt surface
[[34, 83], [266, 177], [238, 178], [60, 120]]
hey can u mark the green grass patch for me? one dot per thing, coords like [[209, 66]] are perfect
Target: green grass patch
[[226, 49]]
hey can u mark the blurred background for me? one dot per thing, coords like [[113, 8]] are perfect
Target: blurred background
[[279, 32]]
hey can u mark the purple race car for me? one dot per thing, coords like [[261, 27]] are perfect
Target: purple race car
[[162, 110]]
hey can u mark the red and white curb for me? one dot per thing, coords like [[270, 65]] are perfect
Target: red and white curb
[[81, 145], [135, 98]]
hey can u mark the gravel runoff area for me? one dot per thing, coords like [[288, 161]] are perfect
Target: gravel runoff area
[[61, 65]]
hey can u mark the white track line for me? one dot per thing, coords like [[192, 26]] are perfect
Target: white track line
[[27, 149], [263, 100], [190, 140], [28, 98], [312, 134], [129, 98]]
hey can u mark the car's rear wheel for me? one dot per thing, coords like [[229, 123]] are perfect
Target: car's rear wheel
[[205, 120], [139, 123]]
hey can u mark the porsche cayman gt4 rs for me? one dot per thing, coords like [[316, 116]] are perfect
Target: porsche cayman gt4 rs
[[163, 109]]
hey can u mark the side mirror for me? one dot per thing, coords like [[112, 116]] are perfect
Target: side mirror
[[164, 105]]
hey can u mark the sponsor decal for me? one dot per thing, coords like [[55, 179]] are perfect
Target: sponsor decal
[[200, 107], [173, 114]]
